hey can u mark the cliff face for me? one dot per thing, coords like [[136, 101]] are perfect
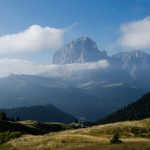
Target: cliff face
[[136, 63], [81, 50]]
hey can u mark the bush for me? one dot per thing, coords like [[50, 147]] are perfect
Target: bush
[[5, 136], [3, 116], [115, 139], [15, 134]]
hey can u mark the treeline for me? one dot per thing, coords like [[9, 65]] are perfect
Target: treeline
[[4, 117], [134, 111]]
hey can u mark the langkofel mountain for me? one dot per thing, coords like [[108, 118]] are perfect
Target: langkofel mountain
[[81, 50]]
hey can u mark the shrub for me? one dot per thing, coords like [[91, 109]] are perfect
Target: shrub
[[5, 136], [3, 116], [115, 139]]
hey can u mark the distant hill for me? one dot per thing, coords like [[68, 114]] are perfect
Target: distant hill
[[32, 127], [43, 113], [104, 97], [134, 111]]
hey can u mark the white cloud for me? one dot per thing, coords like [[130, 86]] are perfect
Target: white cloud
[[69, 69], [136, 34], [17, 66], [32, 39]]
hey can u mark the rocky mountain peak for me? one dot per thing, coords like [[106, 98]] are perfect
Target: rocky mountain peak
[[133, 61], [81, 50], [132, 56]]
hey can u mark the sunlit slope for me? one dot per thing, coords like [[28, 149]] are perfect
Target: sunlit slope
[[134, 134]]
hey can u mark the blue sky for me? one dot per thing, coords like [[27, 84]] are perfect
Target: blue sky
[[99, 19]]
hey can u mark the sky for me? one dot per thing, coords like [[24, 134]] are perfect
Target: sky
[[32, 30]]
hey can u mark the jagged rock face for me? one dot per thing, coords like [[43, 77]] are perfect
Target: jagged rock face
[[79, 51], [133, 57], [134, 62]]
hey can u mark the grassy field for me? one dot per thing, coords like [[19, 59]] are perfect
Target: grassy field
[[135, 135]]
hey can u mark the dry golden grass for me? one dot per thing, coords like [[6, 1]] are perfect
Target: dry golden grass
[[93, 138], [70, 141]]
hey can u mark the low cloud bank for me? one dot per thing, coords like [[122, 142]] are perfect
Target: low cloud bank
[[17, 66]]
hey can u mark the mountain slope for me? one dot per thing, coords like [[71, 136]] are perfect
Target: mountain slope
[[134, 135], [81, 50], [43, 113], [134, 111], [25, 90], [90, 102]]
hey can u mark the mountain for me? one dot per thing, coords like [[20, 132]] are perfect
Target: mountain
[[25, 90], [134, 111], [136, 57], [89, 101], [81, 50], [136, 63], [131, 66], [43, 113], [84, 88]]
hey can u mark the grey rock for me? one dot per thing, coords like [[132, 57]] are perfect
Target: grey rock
[[81, 50]]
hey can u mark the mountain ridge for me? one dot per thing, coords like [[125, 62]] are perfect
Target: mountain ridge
[[137, 110], [133, 63], [42, 113]]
